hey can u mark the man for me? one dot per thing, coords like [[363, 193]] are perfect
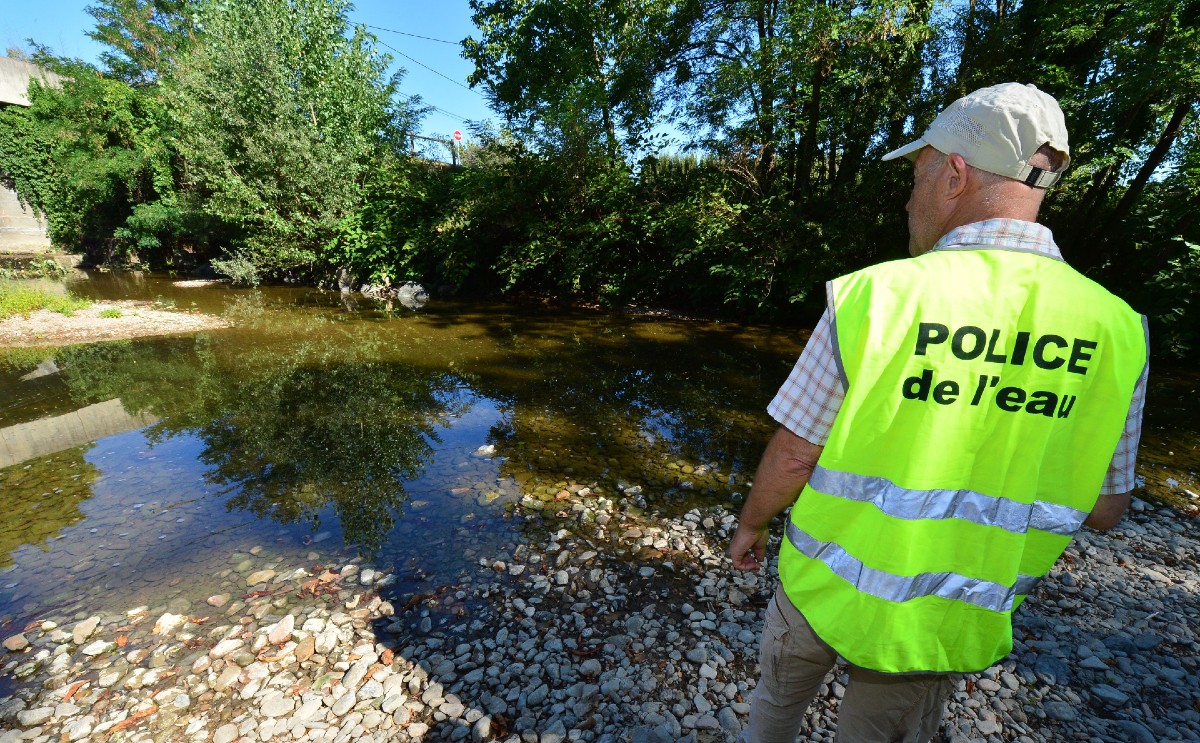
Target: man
[[946, 431]]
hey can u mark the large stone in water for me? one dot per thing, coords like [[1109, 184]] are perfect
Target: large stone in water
[[281, 631], [83, 630], [259, 576], [16, 643]]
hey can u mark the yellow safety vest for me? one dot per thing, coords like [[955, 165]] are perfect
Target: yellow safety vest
[[986, 393]]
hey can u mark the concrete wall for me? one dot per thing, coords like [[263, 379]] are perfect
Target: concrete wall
[[15, 75], [49, 435], [20, 229]]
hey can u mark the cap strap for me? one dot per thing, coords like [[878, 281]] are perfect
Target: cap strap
[[1040, 178]]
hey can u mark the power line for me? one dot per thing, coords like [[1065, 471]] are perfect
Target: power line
[[439, 74], [448, 113], [405, 33]]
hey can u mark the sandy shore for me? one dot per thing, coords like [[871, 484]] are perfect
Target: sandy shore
[[136, 319]]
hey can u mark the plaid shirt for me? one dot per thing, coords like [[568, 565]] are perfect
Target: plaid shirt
[[809, 400]]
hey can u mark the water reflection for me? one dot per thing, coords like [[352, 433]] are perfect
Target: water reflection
[[53, 486], [389, 432], [288, 430]]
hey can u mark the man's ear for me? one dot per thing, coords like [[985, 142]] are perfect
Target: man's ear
[[957, 175]]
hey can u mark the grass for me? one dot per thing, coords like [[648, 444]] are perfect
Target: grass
[[111, 312], [25, 300], [45, 269]]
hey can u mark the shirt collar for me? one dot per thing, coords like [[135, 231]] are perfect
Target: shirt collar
[[1002, 234]]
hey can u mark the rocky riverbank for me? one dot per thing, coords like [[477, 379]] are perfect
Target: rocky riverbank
[[616, 626]]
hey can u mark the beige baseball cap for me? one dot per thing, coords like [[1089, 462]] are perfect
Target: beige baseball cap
[[998, 129]]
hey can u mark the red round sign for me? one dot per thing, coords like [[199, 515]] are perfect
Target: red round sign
[[457, 136]]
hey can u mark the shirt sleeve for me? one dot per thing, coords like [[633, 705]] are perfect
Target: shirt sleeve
[[1121, 477], [811, 396]]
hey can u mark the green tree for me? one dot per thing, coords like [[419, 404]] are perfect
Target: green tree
[[576, 74], [282, 114], [145, 37]]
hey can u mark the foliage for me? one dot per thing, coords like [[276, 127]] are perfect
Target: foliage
[[145, 37], [1172, 302], [282, 116], [111, 313], [44, 268], [271, 133], [573, 72], [239, 267], [21, 299], [86, 154]]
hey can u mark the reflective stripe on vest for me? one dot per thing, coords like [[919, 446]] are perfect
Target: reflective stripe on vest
[[900, 588], [978, 508]]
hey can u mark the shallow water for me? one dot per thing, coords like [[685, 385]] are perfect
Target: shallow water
[[319, 425], [325, 427]]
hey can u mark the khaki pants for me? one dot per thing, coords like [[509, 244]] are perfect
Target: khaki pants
[[877, 708]]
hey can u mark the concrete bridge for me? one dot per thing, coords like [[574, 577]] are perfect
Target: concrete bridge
[[21, 230]]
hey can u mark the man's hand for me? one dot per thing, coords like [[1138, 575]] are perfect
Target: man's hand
[[748, 548], [782, 473]]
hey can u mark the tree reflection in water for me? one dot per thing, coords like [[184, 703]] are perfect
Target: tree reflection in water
[[288, 428]]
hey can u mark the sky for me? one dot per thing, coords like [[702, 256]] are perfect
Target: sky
[[434, 69]]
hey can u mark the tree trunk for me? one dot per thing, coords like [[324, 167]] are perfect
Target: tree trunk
[[812, 115], [765, 19], [1153, 161]]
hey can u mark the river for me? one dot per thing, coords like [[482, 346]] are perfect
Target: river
[[134, 469]]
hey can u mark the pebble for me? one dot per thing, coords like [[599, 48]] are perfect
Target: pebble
[[225, 647], [281, 631], [98, 647], [227, 733], [34, 717], [580, 640], [259, 576], [344, 703], [168, 623], [16, 643], [275, 704], [306, 649], [78, 729], [85, 629]]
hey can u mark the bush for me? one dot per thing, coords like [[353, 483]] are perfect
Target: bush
[[240, 269]]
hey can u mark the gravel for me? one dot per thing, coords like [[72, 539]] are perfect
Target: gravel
[[611, 625]]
